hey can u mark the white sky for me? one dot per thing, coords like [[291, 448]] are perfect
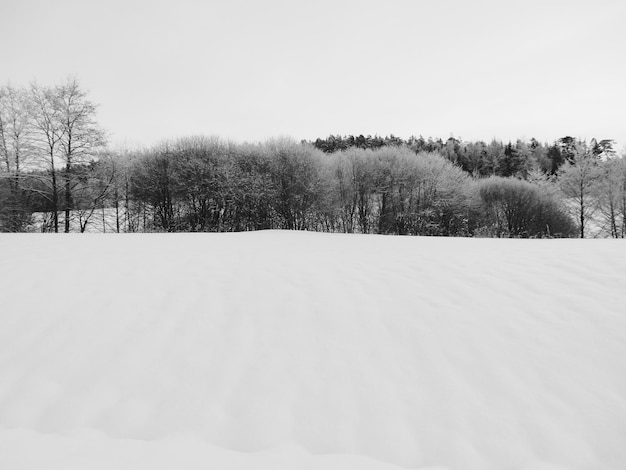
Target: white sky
[[249, 70]]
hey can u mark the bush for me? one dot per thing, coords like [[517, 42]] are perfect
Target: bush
[[516, 208]]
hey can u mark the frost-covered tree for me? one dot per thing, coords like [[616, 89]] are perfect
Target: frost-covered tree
[[577, 179], [15, 156], [296, 174], [81, 136], [48, 131], [611, 196], [65, 137]]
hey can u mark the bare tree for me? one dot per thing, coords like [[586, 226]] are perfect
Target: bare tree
[[80, 134], [296, 171], [577, 179], [15, 142], [92, 185], [49, 132], [611, 193], [64, 134], [343, 190]]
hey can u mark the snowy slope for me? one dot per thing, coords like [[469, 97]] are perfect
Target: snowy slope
[[284, 350]]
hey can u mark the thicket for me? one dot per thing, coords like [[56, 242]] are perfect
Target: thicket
[[204, 184], [56, 166], [517, 208]]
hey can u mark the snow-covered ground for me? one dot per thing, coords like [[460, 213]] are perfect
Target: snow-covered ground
[[284, 350]]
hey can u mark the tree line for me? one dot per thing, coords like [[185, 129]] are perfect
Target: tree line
[[57, 174], [479, 158]]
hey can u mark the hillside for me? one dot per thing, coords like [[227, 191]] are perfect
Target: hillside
[[284, 350]]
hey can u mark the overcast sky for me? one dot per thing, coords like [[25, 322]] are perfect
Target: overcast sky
[[248, 70]]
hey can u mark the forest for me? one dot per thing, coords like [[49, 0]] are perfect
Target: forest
[[57, 174]]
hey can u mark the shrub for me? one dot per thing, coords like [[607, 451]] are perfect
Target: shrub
[[516, 208]]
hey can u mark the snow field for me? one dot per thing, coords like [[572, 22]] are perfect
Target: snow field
[[291, 350]]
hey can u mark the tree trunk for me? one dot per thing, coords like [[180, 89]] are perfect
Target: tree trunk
[[117, 211], [68, 197], [582, 219], [55, 195], [582, 210]]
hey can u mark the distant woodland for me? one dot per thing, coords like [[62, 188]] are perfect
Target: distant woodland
[[57, 174]]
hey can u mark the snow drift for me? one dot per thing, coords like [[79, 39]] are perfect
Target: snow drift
[[285, 350]]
